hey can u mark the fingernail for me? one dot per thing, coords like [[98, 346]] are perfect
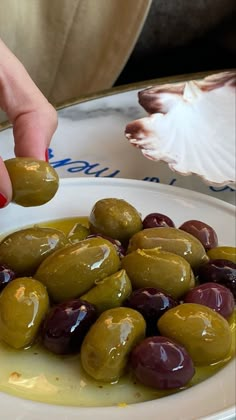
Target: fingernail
[[3, 201], [46, 155]]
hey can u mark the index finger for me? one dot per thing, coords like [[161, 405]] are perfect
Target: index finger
[[34, 119]]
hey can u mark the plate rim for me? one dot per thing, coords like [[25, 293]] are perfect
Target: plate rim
[[191, 194]]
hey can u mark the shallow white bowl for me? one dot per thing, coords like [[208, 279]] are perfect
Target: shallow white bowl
[[212, 399]]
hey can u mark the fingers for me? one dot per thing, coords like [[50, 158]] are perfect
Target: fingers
[[33, 132], [34, 119]]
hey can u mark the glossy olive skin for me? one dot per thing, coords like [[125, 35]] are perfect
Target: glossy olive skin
[[109, 292], [120, 249], [204, 333], [73, 270], [157, 220], [161, 269], [152, 303], [223, 253], [161, 363], [115, 218], [202, 231], [24, 250], [171, 240], [78, 233], [219, 271], [66, 325], [215, 296], [34, 182], [23, 305], [6, 275], [106, 347]]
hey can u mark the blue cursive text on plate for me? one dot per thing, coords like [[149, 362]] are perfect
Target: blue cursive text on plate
[[82, 166], [95, 169]]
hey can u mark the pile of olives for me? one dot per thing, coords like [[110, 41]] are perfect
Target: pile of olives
[[128, 294]]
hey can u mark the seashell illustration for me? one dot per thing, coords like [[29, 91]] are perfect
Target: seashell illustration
[[191, 126]]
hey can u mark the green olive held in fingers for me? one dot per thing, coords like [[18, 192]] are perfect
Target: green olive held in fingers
[[115, 218], [24, 303], [109, 292], [172, 240], [157, 268], [204, 333], [24, 250], [34, 182], [106, 347], [73, 270]]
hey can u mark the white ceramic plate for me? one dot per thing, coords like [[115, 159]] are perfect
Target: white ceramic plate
[[90, 142], [212, 399]]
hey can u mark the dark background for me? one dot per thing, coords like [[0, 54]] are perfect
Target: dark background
[[183, 36]]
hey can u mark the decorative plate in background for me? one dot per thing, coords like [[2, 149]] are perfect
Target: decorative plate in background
[[90, 142]]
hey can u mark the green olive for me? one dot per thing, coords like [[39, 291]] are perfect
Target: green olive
[[73, 270], [34, 182], [115, 218], [110, 292], [23, 305], [24, 250], [172, 240], [78, 233], [204, 333], [223, 253], [157, 268], [106, 347]]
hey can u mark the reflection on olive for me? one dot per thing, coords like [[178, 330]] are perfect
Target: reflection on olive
[[24, 250], [115, 218], [223, 253], [23, 305], [66, 325], [34, 182], [173, 240], [203, 332], [157, 268], [161, 363], [110, 292], [202, 231], [73, 270], [78, 233], [106, 347]]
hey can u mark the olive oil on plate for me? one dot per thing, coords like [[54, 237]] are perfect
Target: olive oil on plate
[[38, 375]]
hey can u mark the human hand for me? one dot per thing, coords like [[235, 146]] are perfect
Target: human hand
[[34, 120]]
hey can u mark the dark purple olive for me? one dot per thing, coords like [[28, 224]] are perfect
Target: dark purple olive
[[66, 326], [219, 271], [157, 220], [151, 302], [161, 363], [6, 275], [203, 232], [120, 249], [215, 296]]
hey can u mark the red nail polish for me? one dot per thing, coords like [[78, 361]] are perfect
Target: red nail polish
[[3, 201], [46, 155]]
